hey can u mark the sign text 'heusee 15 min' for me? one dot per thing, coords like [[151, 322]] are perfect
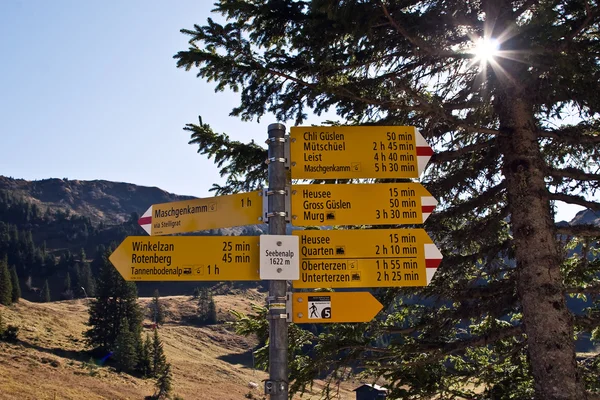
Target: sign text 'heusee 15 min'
[[366, 258]]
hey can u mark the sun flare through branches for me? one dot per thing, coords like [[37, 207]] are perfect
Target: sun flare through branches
[[485, 50]]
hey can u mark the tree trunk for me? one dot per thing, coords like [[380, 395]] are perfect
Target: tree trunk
[[548, 323]]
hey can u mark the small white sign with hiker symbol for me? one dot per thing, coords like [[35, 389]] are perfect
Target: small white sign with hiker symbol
[[319, 307]]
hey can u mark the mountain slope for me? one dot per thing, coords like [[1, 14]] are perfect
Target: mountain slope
[[99, 200]]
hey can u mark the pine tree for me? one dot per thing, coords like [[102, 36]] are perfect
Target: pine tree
[[115, 300], [159, 360], [202, 302], [45, 294], [82, 256], [505, 153], [16, 287], [2, 326], [6, 290], [126, 344], [145, 357], [67, 293], [67, 285], [211, 316], [207, 310], [85, 280], [158, 312], [164, 383], [196, 293]]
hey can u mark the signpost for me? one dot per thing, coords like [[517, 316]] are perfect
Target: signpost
[[331, 307], [326, 258], [188, 258], [346, 152], [361, 204], [202, 214], [366, 258]]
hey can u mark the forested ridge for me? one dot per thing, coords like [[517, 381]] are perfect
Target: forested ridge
[[54, 246], [56, 230]]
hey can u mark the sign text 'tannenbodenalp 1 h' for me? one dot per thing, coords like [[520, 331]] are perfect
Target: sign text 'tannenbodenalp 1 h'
[[188, 258]]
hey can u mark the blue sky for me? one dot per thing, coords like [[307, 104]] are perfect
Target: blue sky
[[90, 90]]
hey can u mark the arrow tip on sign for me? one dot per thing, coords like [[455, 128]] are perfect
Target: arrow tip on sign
[[146, 221], [424, 151], [376, 305], [114, 258], [428, 204], [433, 258]]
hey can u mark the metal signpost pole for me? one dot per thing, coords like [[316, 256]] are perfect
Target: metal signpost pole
[[277, 385]]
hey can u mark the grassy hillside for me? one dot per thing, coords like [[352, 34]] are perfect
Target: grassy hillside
[[49, 360]]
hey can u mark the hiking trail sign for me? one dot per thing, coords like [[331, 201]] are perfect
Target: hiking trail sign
[[366, 258], [347, 152], [360, 204], [202, 214], [331, 307], [188, 258]]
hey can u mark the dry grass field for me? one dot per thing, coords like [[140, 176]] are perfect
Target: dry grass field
[[49, 360]]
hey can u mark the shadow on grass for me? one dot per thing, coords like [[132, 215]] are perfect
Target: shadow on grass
[[245, 359], [75, 355]]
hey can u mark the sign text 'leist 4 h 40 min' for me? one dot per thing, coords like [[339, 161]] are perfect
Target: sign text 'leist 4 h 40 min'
[[348, 258], [347, 152]]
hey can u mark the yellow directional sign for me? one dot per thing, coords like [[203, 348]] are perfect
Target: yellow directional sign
[[328, 307], [188, 258], [346, 152], [202, 214], [366, 258], [362, 204]]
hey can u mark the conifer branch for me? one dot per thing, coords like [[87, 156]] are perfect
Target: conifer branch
[[573, 173], [235, 159], [492, 300], [579, 230], [459, 259], [438, 111], [475, 341], [439, 350], [594, 288], [583, 133], [416, 41], [573, 199], [524, 7], [490, 195], [586, 321], [445, 156], [590, 15]]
